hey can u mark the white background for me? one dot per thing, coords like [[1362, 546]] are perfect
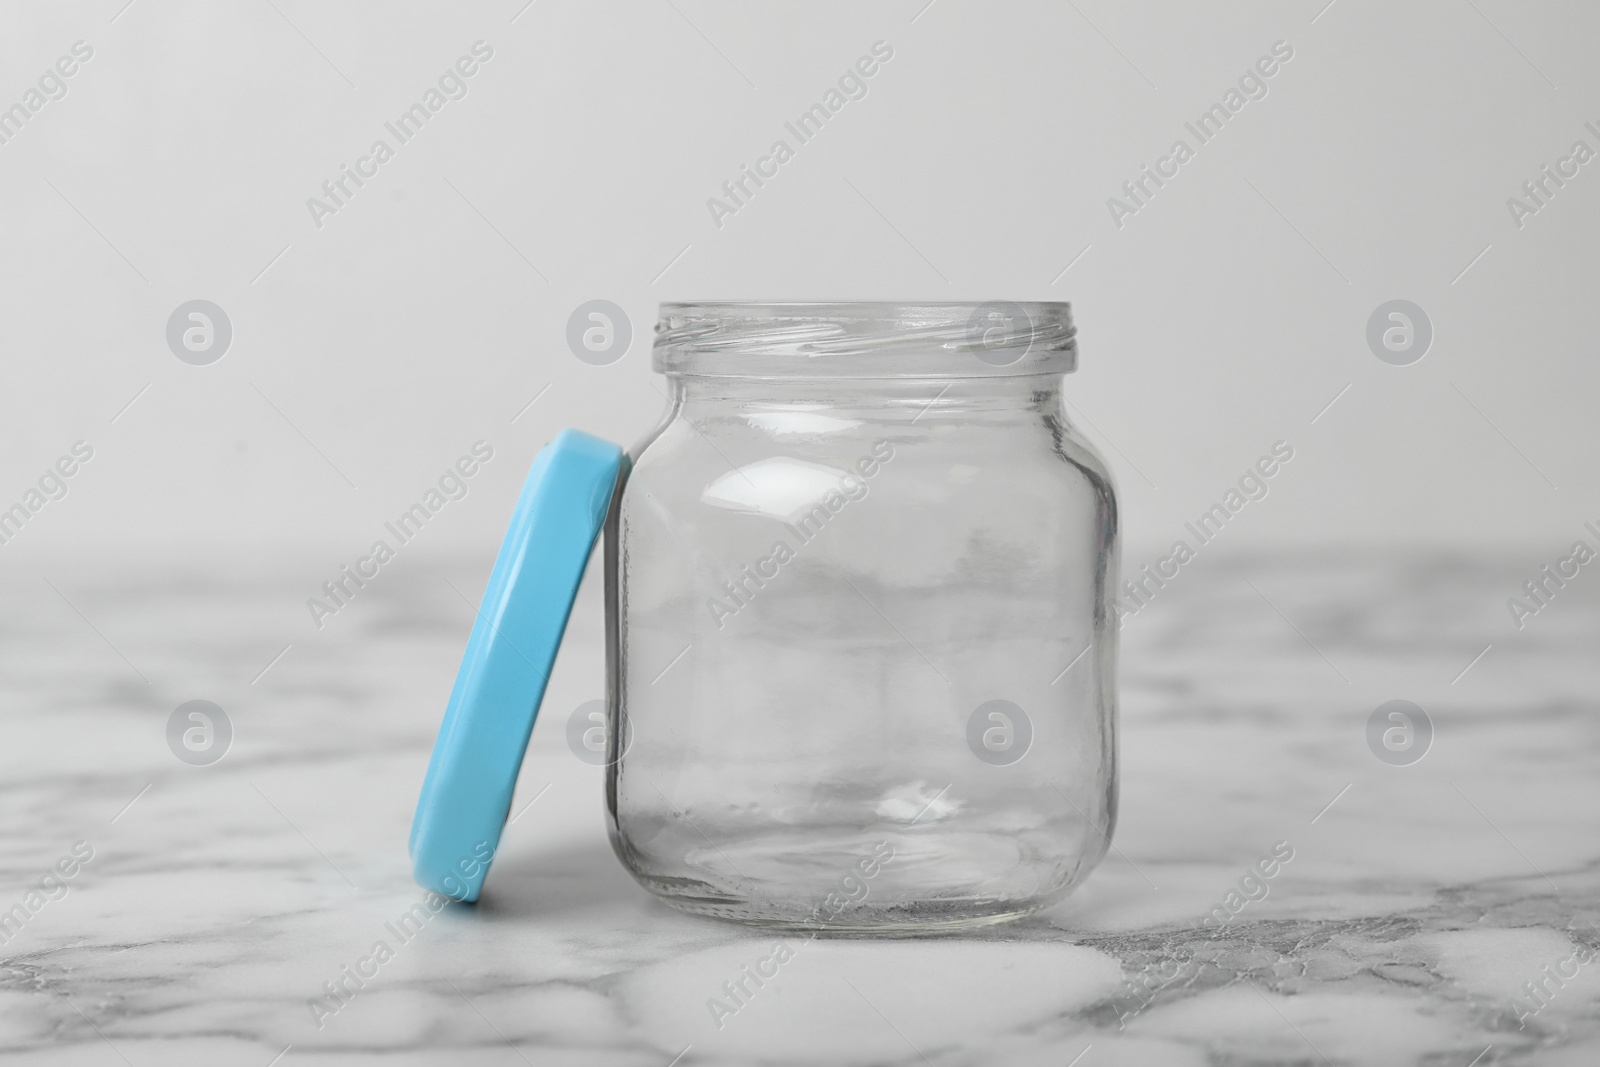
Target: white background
[[1224, 316]]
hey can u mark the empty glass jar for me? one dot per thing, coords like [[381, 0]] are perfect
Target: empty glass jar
[[860, 642]]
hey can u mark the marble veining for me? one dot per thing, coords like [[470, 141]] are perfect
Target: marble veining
[[220, 905]]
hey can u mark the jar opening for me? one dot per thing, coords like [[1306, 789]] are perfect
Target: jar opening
[[996, 338]]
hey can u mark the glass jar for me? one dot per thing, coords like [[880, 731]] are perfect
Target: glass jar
[[861, 647]]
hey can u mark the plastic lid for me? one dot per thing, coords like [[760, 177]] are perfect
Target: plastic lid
[[467, 792]]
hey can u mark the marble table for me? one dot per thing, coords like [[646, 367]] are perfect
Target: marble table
[[218, 903]]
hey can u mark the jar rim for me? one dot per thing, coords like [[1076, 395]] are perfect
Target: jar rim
[[865, 339]]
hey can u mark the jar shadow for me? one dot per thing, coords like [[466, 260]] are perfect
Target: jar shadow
[[564, 882], [573, 881]]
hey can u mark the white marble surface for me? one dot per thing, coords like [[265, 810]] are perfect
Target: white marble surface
[[217, 904]]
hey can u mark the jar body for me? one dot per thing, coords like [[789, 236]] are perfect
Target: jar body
[[861, 652]]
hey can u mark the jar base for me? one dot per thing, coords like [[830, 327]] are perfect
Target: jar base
[[929, 918], [878, 881]]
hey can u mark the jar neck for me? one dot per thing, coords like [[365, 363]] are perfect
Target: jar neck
[[885, 400]]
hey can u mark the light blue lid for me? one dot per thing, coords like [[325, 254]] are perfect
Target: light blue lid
[[467, 792]]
